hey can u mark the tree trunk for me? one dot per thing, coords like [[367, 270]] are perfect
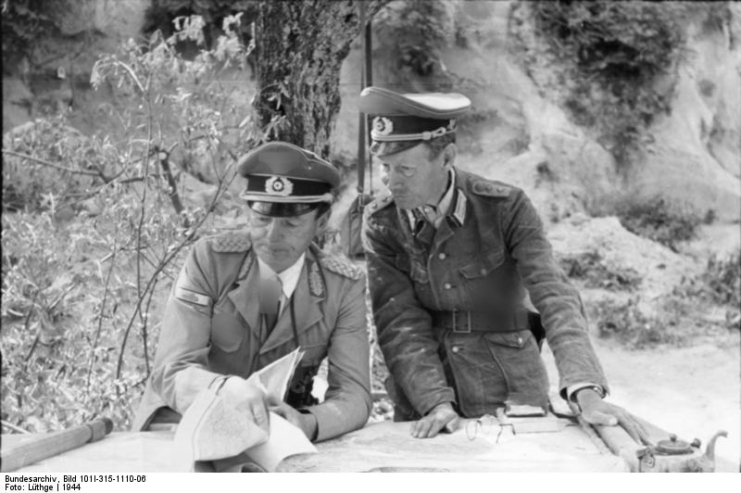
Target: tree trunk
[[300, 46]]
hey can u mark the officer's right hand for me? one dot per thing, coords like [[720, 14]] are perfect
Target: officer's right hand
[[441, 416], [250, 395]]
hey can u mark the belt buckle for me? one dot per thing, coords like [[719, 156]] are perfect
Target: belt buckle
[[467, 329]]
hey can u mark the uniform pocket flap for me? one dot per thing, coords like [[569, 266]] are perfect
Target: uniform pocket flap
[[483, 266], [509, 339]]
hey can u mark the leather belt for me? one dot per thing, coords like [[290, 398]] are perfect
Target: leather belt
[[464, 321]]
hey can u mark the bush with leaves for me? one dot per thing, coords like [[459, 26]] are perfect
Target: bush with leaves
[[97, 229], [615, 61], [675, 321], [590, 266], [420, 29], [659, 221], [24, 22], [723, 278], [719, 284], [161, 16]]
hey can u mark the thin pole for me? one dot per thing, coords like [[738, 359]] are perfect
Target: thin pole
[[368, 75], [362, 121]]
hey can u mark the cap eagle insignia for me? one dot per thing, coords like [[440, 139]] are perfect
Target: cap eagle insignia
[[382, 125], [279, 185]]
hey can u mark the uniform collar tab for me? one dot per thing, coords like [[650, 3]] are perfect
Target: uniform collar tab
[[459, 212], [317, 285]]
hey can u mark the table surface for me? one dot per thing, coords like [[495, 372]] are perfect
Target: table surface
[[383, 447]]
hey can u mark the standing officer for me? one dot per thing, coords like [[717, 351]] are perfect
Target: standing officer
[[244, 300], [449, 257]]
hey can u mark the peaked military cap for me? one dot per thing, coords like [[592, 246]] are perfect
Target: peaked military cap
[[285, 180], [410, 118]]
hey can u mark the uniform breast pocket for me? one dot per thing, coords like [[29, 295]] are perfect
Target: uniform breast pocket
[[483, 265], [227, 332], [480, 278]]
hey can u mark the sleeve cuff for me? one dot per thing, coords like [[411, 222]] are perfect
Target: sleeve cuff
[[571, 390]]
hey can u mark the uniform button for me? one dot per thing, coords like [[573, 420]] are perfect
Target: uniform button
[[456, 349], [442, 256], [483, 272], [447, 285], [519, 341]]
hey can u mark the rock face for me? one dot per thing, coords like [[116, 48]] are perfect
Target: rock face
[[114, 18], [519, 134], [659, 269], [696, 153], [58, 69]]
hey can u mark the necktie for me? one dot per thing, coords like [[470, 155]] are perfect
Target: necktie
[[419, 220], [270, 292]]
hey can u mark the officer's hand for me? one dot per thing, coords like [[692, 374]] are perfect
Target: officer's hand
[[304, 422], [441, 416], [598, 412], [249, 395]]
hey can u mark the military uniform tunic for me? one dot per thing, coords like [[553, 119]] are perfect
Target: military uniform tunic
[[212, 327], [489, 248]]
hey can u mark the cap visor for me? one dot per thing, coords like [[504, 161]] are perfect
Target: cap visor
[[278, 209]]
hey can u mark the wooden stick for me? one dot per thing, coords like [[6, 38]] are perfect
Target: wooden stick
[[13, 427], [49, 445]]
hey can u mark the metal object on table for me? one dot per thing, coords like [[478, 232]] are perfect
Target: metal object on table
[[673, 446], [669, 454], [37, 449], [675, 455], [522, 419]]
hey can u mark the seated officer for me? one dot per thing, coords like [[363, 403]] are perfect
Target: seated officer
[[449, 257], [245, 299]]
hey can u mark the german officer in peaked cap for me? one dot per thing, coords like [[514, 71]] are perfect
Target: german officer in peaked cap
[[245, 299], [450, 255]]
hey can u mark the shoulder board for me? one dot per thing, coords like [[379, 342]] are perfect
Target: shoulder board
[[341, 266], [380, 202], [231, 242], [489, 189]]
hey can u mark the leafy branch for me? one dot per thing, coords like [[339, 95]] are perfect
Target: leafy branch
[[55, 166], [189, 238], [76, 364]]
